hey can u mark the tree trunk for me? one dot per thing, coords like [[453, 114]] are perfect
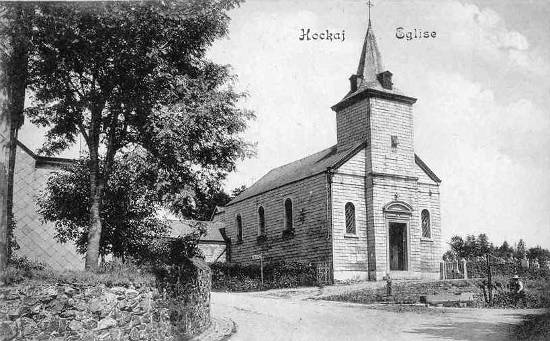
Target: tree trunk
[[5, 125], [96, 192], [17, 84], [94, 233], [9, 200]]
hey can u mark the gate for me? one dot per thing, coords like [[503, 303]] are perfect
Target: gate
[[454, 270], [323, 273]]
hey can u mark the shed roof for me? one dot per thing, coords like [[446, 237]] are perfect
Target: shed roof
[[184, 227]]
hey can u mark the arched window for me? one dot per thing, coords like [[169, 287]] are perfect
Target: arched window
[[239, 228], [350, 218], [261, 221], [288, 214], [426, 228]]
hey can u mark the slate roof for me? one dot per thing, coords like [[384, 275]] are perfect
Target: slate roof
[[185, 227], [311, 165], [426, 169], [370, 61], [370, 65], [314, 164]]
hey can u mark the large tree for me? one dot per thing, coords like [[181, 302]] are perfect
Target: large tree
[[130, 75], [129, 206], [15, 29]]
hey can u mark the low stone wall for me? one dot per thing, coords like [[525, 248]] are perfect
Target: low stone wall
[[173, 308]]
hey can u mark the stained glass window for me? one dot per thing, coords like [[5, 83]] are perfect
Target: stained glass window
[[350, 218], [426, 229], [239, 228], [288, 214], [261, 221]]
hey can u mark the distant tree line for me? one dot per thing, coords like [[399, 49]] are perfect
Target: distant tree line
[[472, 247]]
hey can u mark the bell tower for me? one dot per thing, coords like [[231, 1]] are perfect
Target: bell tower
[[378, 114]]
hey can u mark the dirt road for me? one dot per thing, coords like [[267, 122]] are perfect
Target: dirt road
[[264, 317]]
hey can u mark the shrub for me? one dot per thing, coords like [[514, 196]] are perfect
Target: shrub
[[235, 277]]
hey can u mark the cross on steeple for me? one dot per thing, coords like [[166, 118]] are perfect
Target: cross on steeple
[[369, 4]]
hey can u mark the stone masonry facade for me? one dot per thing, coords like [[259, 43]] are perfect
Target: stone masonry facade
[[372, 211], [310, 242]]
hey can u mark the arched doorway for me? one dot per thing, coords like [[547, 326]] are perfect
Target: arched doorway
[[397, 215]]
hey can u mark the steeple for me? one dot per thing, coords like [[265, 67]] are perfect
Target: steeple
[[370, 62]]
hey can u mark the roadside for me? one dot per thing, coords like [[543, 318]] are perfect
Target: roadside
[[265, 316], [365, 297]]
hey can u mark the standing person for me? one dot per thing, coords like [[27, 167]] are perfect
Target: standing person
[[517, 290]]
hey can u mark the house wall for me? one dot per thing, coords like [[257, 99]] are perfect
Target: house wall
[[311, 241], [35, 238], [350, 252]]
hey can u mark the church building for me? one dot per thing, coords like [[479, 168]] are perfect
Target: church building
[[367, 206]]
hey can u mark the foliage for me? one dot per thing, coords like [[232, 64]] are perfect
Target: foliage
[[110, 274], [129, 75], [238, 191], [206, 202], [143, 64], [478, 269], [234, 277], [474, 247], [537, 252], [128, 207], [171, 251], [533, 327], [520, 249]]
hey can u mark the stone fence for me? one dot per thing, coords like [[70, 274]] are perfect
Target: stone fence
[[175, 307]]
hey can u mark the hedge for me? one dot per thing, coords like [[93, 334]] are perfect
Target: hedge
[[235, 277]]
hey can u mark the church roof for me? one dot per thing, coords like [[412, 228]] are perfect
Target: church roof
[[370, 62], [368, 84], [309, 166], [298, 170], [426, 169]]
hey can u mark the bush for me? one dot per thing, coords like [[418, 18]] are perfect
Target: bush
[[479, 270], [235, 277]]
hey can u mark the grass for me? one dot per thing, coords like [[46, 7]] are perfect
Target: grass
[[405, 292], [538, 292], [534, 327], [112, 274]]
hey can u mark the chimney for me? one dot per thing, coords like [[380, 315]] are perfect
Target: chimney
[[385, 79]]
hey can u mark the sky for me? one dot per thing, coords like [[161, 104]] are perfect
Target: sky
[[482, 121]]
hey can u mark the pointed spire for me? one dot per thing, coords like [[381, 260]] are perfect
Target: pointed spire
[[370, 62]]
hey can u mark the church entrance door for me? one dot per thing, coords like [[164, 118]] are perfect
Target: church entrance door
[[398, 246]]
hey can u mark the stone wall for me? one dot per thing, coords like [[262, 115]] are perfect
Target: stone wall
[[174, 310]]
